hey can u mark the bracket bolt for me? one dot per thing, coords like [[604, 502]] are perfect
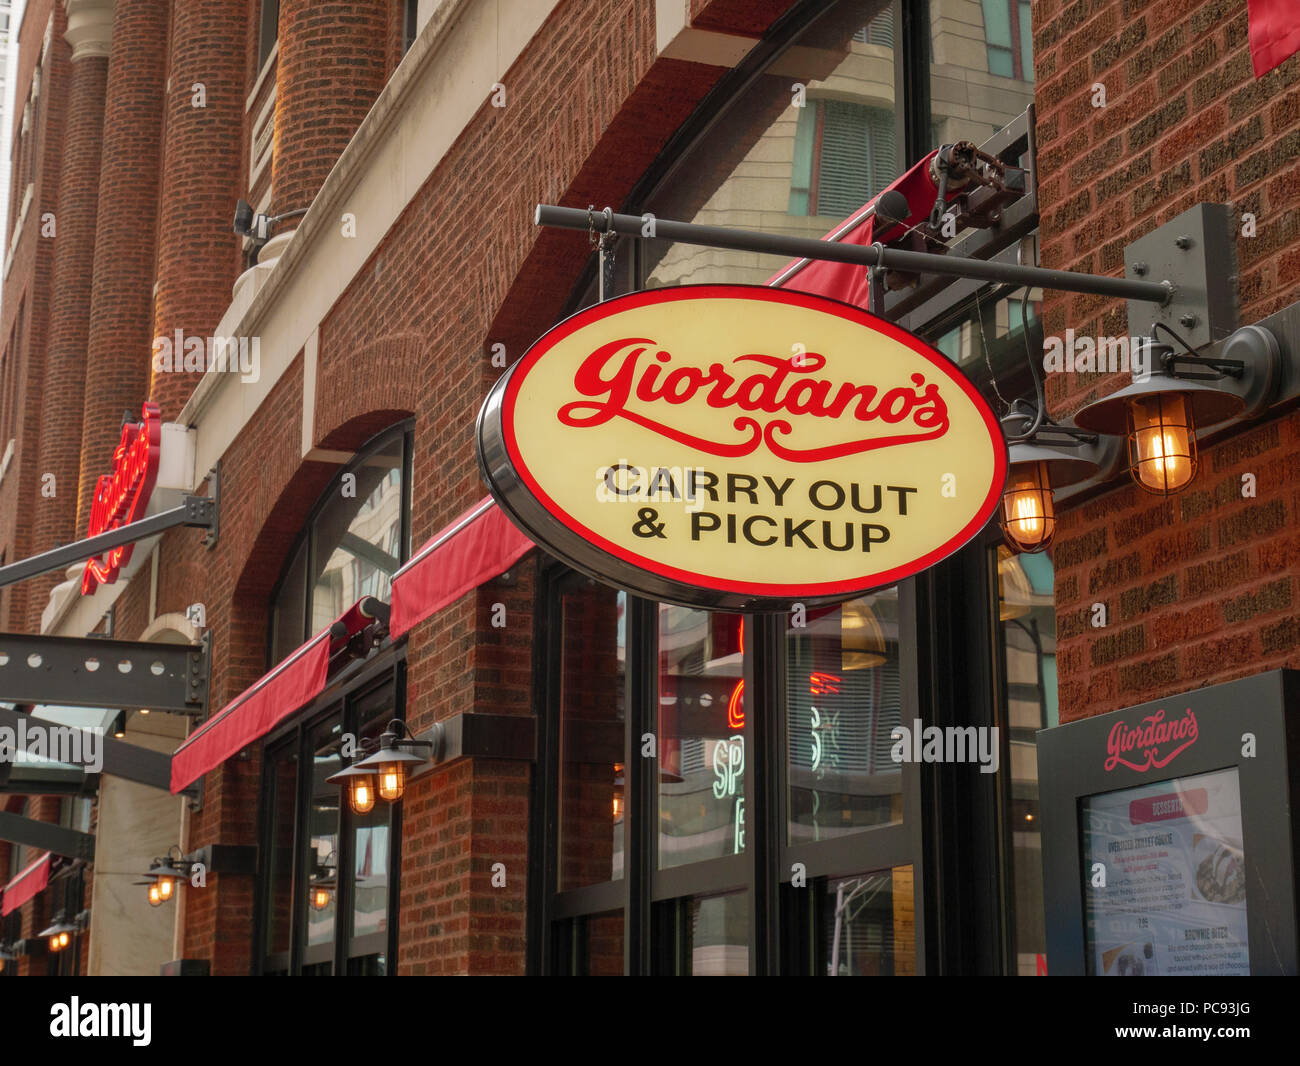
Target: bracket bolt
[[1187, 320], [1140, 269], [1183, 242]]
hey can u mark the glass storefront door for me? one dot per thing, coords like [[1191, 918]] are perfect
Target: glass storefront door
[[326, 892]]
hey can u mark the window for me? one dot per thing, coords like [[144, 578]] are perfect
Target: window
[[775, 739], [844, 155], [268, 30], [800, 163], [410, 23], [328, 889], [357, 537]]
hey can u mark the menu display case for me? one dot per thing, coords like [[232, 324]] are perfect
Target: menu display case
[[1169, 843]]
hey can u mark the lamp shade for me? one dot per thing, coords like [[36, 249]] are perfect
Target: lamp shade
[[1206, 404]]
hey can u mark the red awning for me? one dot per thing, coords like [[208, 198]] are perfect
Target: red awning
[[848, 281], [1274, 33], [481, 544], [26, 884], [264, 704]]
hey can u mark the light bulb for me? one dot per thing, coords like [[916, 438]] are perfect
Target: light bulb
[[155, 896], [165, 887], [362, 794], [1162, 442], [1028, 514], [392, 781]]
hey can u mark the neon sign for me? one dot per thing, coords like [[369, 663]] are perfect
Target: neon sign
[[121, 497]]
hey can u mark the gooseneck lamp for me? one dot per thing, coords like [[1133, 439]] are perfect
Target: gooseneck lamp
[[1172, 395], [59, 933]]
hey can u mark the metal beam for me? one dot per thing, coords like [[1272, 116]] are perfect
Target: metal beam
[[197, 511], [97, 672], [1156, 292], [127, 761], [47, 836]]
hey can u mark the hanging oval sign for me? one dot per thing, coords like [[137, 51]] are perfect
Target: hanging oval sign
[[740, 447]]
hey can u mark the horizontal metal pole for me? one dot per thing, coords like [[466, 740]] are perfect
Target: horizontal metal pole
[[195, 511], [1156, 292], [46, 835]]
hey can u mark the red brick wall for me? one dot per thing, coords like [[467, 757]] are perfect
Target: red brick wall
[[196, 271], [333, 62], [1199, 587], [54, 517], [28, 293], [121, 320]]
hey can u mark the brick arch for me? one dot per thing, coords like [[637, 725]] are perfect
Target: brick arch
[[362, 392]]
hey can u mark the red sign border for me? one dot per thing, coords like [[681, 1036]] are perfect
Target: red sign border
[[511, 383]]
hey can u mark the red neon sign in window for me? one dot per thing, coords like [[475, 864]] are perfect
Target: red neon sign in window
[[736, 704], [121, 497]]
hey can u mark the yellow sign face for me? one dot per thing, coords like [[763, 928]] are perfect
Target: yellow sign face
[[741, 447]]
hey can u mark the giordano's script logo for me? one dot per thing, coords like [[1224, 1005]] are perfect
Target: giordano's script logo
[[627, 382], [743, 440], [1153, 742]]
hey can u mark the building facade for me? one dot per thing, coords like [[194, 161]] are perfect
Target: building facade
[[398, 149]]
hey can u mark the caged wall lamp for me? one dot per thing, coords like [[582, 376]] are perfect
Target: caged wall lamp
[[1172, 394], [386, 771], [165, 874]]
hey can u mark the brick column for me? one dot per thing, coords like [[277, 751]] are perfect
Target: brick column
[[199, 260], [330, 70], [121, 323], [90, 24]]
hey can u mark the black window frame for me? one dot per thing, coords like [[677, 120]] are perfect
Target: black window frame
[[386, 668]]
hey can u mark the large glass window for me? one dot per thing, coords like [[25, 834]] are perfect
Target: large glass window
[[810, 140], [1028, 631], [326, 888], [701, 735], [978, 83], [593, 691], [844, 701], [833, 117], [356, 538]]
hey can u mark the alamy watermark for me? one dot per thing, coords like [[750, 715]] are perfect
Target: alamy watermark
[[179, 354], [950, 744], [36, 742], [1073, 354]]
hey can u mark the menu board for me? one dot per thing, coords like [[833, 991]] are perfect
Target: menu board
[[1173, 901]]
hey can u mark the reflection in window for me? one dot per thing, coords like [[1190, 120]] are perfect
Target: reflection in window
[[870, 929], [281, 778], [370, 851], [358, 538], [1028, 629], [322, 842], [844, 154], [843, 703], [354, 544], [795, 170], [717, 929], [603, 936], [701, 736], [592, 716], [978, 84]]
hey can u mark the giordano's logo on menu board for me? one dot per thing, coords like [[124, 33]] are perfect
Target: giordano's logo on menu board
[[740, 447]]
